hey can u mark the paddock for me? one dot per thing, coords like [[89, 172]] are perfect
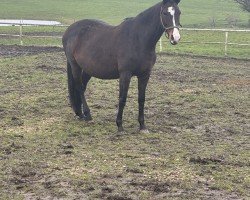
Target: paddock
[[198, 118]]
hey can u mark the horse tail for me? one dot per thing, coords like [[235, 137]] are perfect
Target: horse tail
[[74, 92]]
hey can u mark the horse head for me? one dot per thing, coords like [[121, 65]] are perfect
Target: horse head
[[170, 20]]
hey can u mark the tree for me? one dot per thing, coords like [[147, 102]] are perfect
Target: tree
[[245, 4]]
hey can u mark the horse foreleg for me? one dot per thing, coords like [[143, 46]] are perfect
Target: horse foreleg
[[124, 82], [142, 85]]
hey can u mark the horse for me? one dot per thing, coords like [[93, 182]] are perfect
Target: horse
[[94, 48]]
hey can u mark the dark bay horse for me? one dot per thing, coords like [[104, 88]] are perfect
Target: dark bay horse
[[96, 49]]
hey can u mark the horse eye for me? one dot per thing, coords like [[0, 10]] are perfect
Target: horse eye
[[165, 13]]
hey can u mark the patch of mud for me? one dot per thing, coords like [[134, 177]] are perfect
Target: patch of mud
[[8, 149], [63, 194], [48, 69], [154, 186], [118, 197], [16, 50], [24, 174], [15, 121], [216, 160], [205, 161]]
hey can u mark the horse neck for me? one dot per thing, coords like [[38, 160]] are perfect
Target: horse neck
[[149, 26]]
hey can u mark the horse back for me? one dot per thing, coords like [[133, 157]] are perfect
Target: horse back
[[84, 29]]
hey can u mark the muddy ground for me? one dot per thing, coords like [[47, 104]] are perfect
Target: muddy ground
[[17, 50], [197, 111]]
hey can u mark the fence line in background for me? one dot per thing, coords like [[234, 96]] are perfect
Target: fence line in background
[[225, 43]]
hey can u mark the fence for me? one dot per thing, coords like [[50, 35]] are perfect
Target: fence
[[225, 43], [21, 35]]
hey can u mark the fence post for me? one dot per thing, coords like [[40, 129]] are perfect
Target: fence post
[[21, 33], [226, 42], [160, 44]]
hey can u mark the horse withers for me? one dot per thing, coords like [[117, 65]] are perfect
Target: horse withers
[[96, 49]]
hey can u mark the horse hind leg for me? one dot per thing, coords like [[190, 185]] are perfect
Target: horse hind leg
[[75, 87], [86, 110]]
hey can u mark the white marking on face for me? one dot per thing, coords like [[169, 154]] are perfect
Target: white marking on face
[[176, 34], [171, 10]]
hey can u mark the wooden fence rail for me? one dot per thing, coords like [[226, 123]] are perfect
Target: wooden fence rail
[[225, 42]]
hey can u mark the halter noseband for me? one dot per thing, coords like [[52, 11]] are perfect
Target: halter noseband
[[167, 28]]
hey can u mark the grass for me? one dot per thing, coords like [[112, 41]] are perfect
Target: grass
[[196, 39], [195, 13], [197, 111]]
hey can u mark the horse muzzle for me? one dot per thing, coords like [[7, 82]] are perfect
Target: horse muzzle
[[174, 36]]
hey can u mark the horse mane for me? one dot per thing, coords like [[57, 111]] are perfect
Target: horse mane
[[128, 18], [147, 14]]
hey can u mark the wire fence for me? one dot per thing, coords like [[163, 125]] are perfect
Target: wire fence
[[221, 42]]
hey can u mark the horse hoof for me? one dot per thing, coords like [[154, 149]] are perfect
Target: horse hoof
[[87, 118], [144, 131], [79, 117]]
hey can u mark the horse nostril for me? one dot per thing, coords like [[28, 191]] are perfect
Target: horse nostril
[[173, 42]]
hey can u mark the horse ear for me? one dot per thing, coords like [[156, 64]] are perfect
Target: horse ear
[[176, 1]]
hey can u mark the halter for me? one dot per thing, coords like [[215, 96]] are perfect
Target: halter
[[167, 28]]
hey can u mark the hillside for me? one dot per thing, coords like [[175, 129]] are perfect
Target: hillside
[[196, 13]]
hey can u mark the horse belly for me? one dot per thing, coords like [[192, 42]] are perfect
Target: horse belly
[[99, 68], [97, 56], [102, 72]]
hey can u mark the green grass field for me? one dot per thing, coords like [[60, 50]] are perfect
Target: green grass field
[[195, 13]]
